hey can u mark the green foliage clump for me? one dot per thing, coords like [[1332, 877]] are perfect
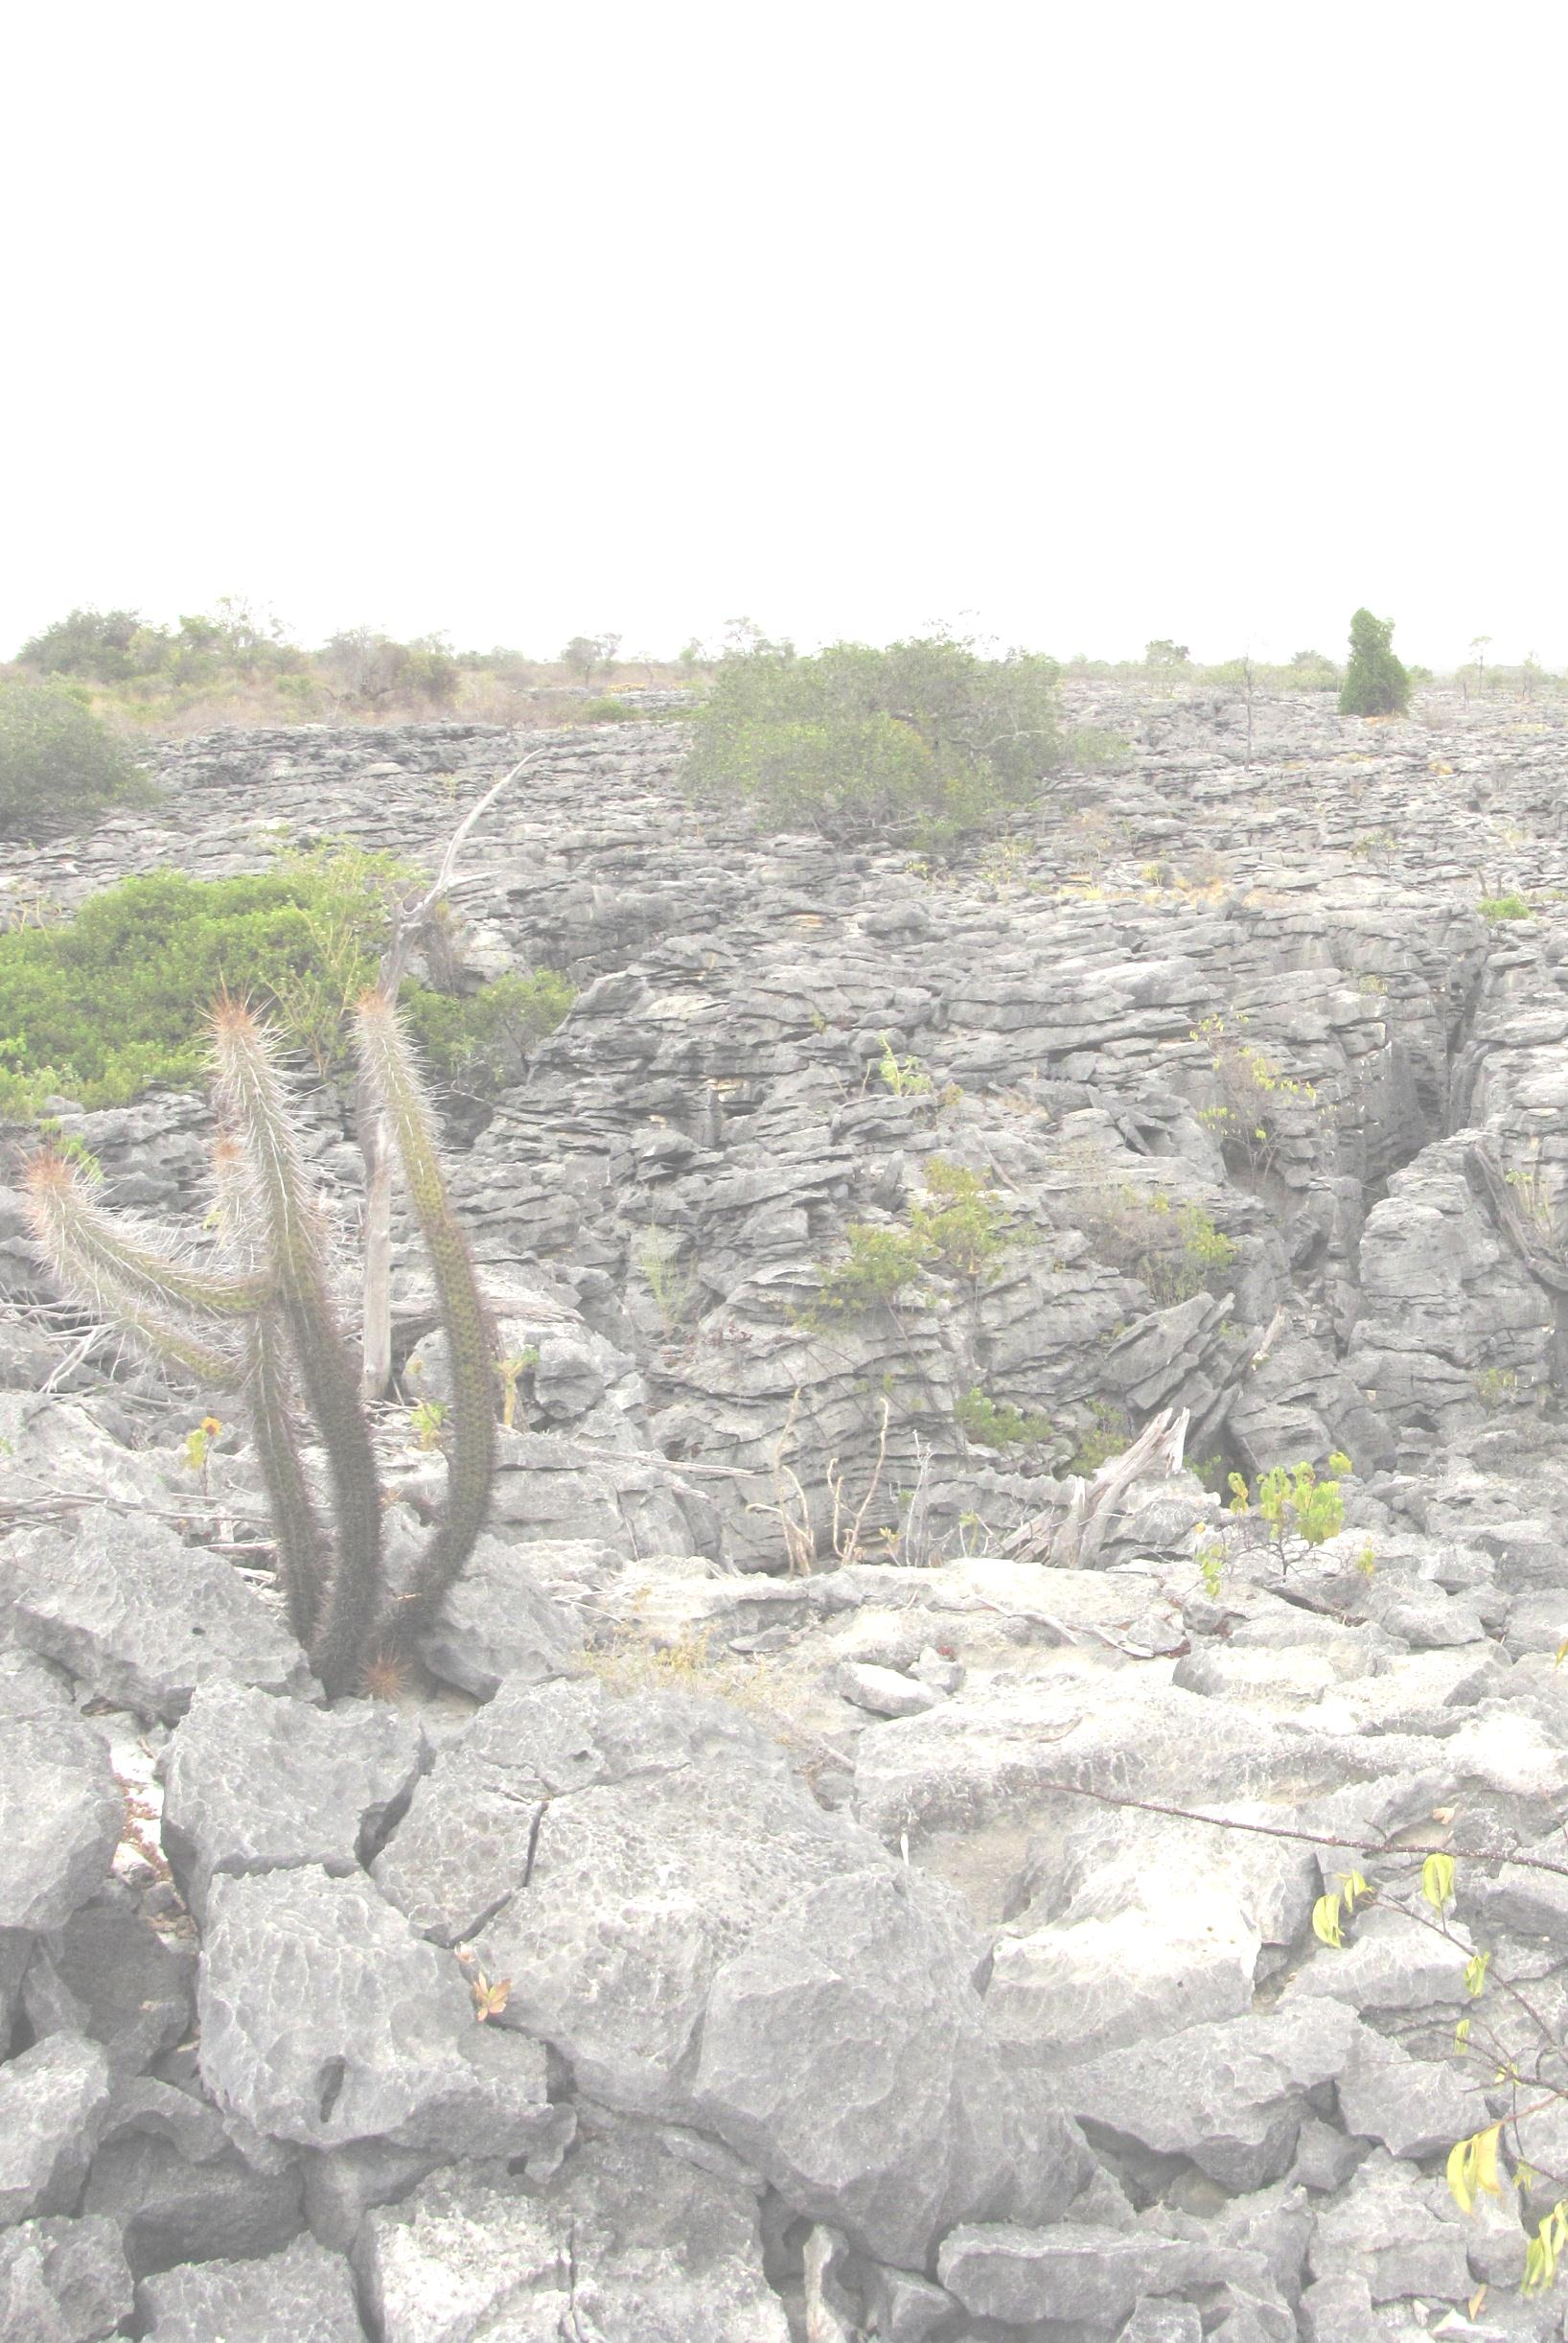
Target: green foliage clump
[[373, 671], [59, 767], [882, 1264], [1174, 1249], [1504, 906], [607, 710], [1375, 683], [120, 651], [1108, 1432], [110, 1004], [964, 1226], [479, 1040], [927, 735], [997, 1424]]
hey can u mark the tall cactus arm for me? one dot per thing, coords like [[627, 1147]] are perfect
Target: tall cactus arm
[[170, 1306], [253, 1107], [92, 1252], [304, 1555], [397, 1093]]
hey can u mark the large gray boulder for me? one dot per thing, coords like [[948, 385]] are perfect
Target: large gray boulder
[[702, 1942], [62, 2282], [109, 1974], [60, 1811], [630, 2243], [304, 2293], [254, 1783], [53, 2099], [138, 1617], [325, 2019], [172, 2207], [1230, 2096]]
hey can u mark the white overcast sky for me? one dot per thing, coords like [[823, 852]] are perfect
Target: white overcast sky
[[1067, 325]]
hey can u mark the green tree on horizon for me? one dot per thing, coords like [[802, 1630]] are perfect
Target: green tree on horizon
[[1375, 683]]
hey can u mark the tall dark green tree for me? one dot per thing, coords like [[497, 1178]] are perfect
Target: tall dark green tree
[[1375, 683]]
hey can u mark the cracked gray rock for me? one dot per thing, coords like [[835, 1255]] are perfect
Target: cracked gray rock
[[53, 2099], [254, 1783], [60, 1810], [628, 2242], [139, 1618], [325, 2019], [62, 2282], [304, 2293]]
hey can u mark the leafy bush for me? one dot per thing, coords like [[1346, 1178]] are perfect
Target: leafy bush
[[113, 1003], [1174, 1249], [1504, 906], [58, 767], [1375, 683], [373, 671], [881, 1264], [1108, 1432], [997, 1424], [926, 733], [118, 649], [965, 1227], [608, 711]]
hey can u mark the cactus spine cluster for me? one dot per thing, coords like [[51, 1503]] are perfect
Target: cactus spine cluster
[[264, 1324]]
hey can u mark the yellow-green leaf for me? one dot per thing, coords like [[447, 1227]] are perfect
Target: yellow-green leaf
[[1438, 1880], [1460, 2171], [1326, 1922], [1475, 1974], [1462, 2036]]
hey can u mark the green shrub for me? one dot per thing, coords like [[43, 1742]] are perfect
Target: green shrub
[[59, 767], [607, 710], [113, 1002], [1173, 1249], [1504, 906], [881, 1264], [1108, 1432], [926, 734], [479, 1040], [964, 1227], [997, 1424], [1375, 683]]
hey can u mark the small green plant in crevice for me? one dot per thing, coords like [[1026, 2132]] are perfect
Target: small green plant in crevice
[[673, 1285], [1293, 1509], [510, 1372], [1495, 1386], [1174, 1247], [1108, 1431], [257, 1316], [425, 1419], [904, 1077], [1504, 906], [1246, 1116], [964, 1222], [997, 1424], [880, 1267]]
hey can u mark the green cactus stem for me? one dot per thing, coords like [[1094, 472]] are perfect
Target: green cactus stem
[[252, 1104], [396, 1088]]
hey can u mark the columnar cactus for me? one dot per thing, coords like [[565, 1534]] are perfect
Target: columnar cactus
[[264, 1323]]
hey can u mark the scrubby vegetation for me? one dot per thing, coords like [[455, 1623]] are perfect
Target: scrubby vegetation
[[1375, 683], [928, 737], [59, 767], [111, 1004]]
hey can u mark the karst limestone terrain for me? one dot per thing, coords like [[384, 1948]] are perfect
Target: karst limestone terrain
[[887, 1831]]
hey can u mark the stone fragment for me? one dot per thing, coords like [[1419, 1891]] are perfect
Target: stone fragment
[[60, 1811], [1397, 2230], [62, 2282], [499, 1623], [304, 2293], [169, 2211], [627, 2242], [325, 2019], [1157, 2320], [139, 1618], [253, 1784], [1229, 2097], [1415, 2106], [120, 1982], [1069, 2272], [53, 2099], [883, 1692]]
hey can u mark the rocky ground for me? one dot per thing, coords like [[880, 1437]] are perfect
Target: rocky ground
[[793, 1792]]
